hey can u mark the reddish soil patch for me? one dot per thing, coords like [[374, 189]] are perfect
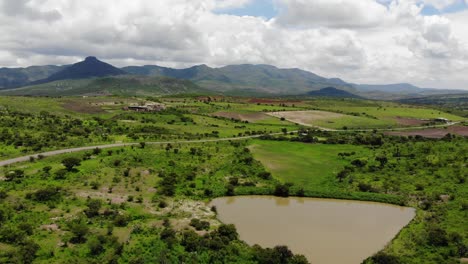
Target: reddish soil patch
[[410, 121], [251, 117], [82, 107], [272, 101], [433, 132]]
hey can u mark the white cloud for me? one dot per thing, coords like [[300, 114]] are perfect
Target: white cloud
[[230, 4], [375, 44], [440, 4], [332, 13]]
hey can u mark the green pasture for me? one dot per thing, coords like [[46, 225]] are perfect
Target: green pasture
[[311, 166]]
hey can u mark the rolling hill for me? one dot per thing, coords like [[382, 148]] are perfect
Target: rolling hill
[[332, 92], [247, 78], [18, 77], [244, 79], [112, 85]]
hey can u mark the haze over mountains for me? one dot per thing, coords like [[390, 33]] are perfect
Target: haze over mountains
[[92, 75]]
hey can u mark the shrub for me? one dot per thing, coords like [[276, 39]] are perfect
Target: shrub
[[282, 190], [60, 174], [70, 163], [199, 225]]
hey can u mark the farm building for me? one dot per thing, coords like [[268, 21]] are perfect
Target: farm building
[[442, 119], [151, 107]]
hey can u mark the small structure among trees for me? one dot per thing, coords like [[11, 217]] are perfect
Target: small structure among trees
[[148, 107], [442, 120]]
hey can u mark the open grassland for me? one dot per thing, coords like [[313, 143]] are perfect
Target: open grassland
[[311, 166]]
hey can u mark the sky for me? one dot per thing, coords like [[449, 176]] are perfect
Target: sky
[[423, 42]]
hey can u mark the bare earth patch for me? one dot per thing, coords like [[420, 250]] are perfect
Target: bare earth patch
[[272, 101], [82, 107], [251, 117], [306, 118], [433, 132], [410, 121], [52, 227], [114, 198]]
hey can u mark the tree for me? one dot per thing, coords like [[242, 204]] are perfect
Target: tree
[[60, 174], [383, 258], [342, 174], [14, 175], [282, 190], [228, 231], [97, 151], [230, 190], [70, 163], [46, 169], [79, 230], [95, 246], [265, 175], [27, 251], [382, 159], [93, 207], [436, 236]]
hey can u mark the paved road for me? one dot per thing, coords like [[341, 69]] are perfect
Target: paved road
[[116, 145]]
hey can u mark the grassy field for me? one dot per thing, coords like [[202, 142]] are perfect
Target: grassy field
[[313, 167]]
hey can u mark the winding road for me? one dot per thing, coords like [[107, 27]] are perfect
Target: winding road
[[116, 145]]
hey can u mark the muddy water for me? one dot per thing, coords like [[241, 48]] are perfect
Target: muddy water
[[325, 231]]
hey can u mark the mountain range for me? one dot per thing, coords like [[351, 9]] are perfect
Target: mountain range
[[95, 76]]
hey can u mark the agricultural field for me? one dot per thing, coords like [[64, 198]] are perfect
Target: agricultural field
[[365, 117], [330, 120], [148, 203]]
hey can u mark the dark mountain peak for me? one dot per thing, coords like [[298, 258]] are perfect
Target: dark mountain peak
[[89, 68], [91, 59], [332, 92]]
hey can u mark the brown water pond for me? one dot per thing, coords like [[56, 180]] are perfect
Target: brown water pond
[[326, 231]]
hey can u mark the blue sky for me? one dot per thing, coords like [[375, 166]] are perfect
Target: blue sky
[[458, 6], [267, 9], [259, 8]]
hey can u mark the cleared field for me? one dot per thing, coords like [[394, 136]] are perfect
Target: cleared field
[[433, 132], [311, 166], [410, 121], [392, 112], [251, 117], [329, 120]]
